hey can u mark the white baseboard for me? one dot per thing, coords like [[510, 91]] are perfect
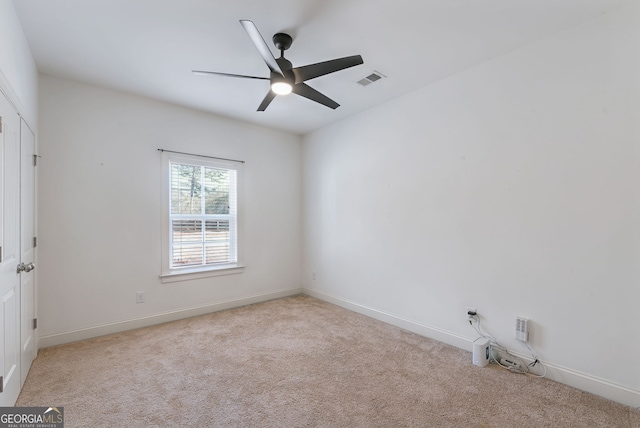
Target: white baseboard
[[120, 326], [576, 379]]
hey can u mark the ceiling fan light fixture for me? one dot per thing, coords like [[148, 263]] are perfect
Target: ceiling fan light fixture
[[281, 88]]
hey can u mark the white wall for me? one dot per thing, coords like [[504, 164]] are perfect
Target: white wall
[[512, 187], [100, 210], [18, 73]]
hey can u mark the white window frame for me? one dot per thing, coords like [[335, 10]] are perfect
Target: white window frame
[[204, 271]]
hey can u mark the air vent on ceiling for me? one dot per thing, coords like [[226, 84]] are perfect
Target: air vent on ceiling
[[373, 77]]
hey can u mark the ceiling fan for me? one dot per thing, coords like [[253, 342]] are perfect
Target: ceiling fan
[[284, 77]]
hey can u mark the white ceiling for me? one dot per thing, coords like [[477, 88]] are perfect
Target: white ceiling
[[149, 47]]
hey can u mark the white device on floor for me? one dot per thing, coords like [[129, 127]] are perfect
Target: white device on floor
[[481, 352]]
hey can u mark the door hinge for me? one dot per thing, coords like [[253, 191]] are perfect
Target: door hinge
[[35, 241], [0, 254], [1, 383], [35, 160], [35, 323], [0, 124]]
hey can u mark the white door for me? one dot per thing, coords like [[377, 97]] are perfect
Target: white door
[[10, 257], [27, 223]]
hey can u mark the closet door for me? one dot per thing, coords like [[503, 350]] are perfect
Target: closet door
[[28, 254], [10, 253]]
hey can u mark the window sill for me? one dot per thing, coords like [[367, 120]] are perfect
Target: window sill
[[189, 274]]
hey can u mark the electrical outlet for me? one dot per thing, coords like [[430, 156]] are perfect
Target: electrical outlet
[[140, 297], [522, 329]]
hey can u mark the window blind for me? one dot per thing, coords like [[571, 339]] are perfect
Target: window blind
[[203, 214]]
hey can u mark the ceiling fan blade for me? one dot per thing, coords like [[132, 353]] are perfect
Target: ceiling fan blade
[[261, 45], [311, 71], [204, 73], [307, 91], [267, 100]]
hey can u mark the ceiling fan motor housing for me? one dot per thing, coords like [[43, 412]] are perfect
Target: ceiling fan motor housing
[[288, 78]]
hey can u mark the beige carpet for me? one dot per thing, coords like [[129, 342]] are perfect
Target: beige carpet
[[296, 362]]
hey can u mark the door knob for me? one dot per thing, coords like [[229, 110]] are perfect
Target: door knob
[[26, 267]]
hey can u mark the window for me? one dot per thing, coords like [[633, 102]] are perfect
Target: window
[[200, 217]]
